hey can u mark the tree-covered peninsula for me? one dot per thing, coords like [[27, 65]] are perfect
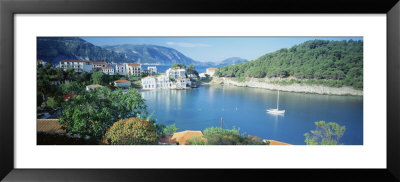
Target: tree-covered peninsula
[[325, 62]]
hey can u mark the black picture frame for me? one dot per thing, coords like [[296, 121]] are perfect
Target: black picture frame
[[8, 8]]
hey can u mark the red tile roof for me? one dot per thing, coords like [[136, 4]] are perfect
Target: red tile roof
[[75, 61], [99, 63], [68, 96], [108, 67], [133, 64], [121, 81], [39, 61]]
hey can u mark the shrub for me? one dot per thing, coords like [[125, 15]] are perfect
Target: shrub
[[131, 131], [219, 136], [325, 134], [196, 140], [171, 129]]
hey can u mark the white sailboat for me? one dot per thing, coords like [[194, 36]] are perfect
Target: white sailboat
[[276, 111]]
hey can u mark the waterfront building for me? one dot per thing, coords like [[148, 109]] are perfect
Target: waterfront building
[[163, 81], [77, 65], [109, 70], [152, 70], [202, 75], [211, 71], [149, 82], [99, 65], [133, 69], [176, 73], [41, 62], [122, 83], [120, 69]]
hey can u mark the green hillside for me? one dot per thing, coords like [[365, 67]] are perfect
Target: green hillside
[[332, 63]]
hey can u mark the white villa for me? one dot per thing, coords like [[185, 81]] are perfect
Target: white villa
[[211, 71], [109, 70], [43, 63], [120, 69], [176, 73], [133, 69], [149, 82], [202, 75], [99, 65], [89, 66], [77, 65], [164, 81], [152, 70]]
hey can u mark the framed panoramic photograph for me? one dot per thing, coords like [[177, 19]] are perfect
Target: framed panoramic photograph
[[119, 91]]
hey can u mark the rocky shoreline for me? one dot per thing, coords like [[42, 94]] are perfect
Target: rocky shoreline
[[265, 83]]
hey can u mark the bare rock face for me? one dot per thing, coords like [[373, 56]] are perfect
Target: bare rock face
[[265, 83]]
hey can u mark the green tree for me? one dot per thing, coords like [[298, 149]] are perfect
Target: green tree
[[323, 60], [93, 112], [190, 68], [98, 78], [171, 129], [325, 134], [73, 87], [178, 66], [52, 102]]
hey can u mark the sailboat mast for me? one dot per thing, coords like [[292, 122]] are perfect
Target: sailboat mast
[[277, 102]]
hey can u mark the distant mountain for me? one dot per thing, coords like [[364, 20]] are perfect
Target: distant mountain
[[151, 54], [231, 61], [55, 49]]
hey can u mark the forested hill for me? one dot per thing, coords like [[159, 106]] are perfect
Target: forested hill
[[317, 59]]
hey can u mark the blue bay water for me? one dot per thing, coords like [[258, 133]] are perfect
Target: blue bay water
[[244, 108]]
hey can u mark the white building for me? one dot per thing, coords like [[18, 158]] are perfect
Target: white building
[[163, 81], [183, 83], [133, 69], [99, 65], [211, 71], [176, 73], [41, 62], [120, 69], [92, 87], [122, 83], [152, 70], [109, 70], [149, 82], [202, 75], [77, 65]]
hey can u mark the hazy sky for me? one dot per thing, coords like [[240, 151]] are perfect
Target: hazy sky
[[215, 48]]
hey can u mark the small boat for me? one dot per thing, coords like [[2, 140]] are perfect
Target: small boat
[[276, 111]]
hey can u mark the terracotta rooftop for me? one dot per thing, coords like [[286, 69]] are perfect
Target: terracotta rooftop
[[274, 142], [49, 126], [121, 81], [75, 61], [133, 64], [212, 68], [68, 96], [108, 67], [39, 61], [99, 63]]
